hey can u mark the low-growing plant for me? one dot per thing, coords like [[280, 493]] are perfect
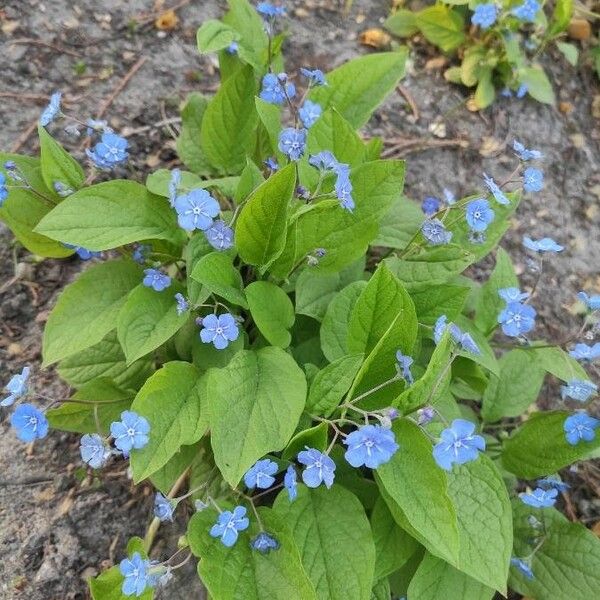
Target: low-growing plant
[[287, 348], [498, 43]]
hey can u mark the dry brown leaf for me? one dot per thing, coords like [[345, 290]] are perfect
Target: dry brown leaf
[[472, 105], [596, 106], [490, 146], [565, 107], [436, 63], [596, 528], [579, 29], [375, 38], [9, 27], [167, 21], [65, 506]]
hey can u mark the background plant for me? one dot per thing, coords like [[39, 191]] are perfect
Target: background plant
[[398, 355], [498, 44]]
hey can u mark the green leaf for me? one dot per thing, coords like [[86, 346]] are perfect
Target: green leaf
[[331, 383], [400, 224], [196, 248], [429, 388], [240, 573], [484, 522], [569, 556], [87, 309], [104, 359], [485, 92], [382, 322], [107, 586], [174, 401], [255, 403], [433, 266], [486, 358], [334, 330], [333, 535], [85, 416], [206, 356], [393, 546], [272, 311], [58, 166], [381, 590], [216, 272], [402, 23], [441, 26], [188, 142], [315, 437], [214, 35], [229, 122], [344, 236], [561, 17], [24, 209], [250, 179], [489, 303], [539, 447], [431, 301], [416, 492], [557, 362], [359, 86], [270, 117], [437, 579], [158, 183], [569, 51], [473, 65], [260, 232], [147, 320], [538, 85], [110, 214], [517, 387], [164, 479]]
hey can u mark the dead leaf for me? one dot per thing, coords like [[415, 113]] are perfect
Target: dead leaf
[[596, 106], [472, 105], [152, 160], [596, 528], [436, 63], [167, 21], [375, 38], [565, 107], [579, 29], [65, 506], [8, 27], [490, 146]]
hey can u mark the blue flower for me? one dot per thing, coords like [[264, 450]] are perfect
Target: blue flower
[[439, 328], [292, 142], [135, 571], [271, 164], [592, 302], [430, 205], [533, 179], [163, 507], [522, 566], [524, 153], [275, 88], [319, 468], [139, 253], [464, 340], [479, 214], [404, 364], [484, 15], [371, 446], [264, 543], [544, 245], [232, 48], [3, 189], [290, 482], [51, 111], [539, 498], [156, 280], [174, 183], [435, 233], [270, 10], [512, 294], [83, 253], [309, 113], [584, 352], [110, 151], [343, 190], [229, 524], [16, 387], [580, 426], [219, 330], [324, 161], [495, 190], [522, 90], [425, 415], [458, 444], [526, 11], [196, 210], [130, 432], [97, 125], [552, 483], [260, 475], [219, 235], [579, 389], [182, 303], [29, 423], [517, 319], [93, 450], [314, 76]]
